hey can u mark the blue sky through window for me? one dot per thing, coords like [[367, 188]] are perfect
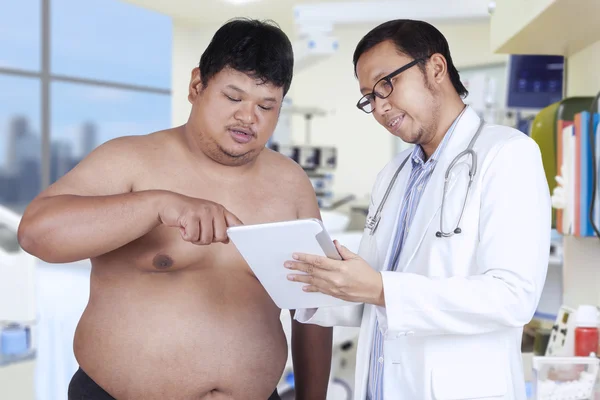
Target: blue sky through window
[[111, 40], [108, 40], [20, 29]]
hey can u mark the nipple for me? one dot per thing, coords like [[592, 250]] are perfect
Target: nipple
[[162, 261]]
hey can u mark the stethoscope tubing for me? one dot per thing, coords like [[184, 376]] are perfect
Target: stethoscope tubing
[[373, 222]]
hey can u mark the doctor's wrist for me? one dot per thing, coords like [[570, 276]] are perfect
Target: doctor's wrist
[[378, 295]]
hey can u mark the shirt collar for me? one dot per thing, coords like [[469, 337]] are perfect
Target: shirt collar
[[418, 155]]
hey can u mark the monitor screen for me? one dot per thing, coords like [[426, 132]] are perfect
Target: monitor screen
[[534, 81]]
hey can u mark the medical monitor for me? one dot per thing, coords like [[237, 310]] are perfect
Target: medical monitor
[[534, 81]]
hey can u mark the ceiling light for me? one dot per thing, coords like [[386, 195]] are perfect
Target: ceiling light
[[239, 2]]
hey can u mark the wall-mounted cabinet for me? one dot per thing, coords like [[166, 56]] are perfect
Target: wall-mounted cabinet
[[560, 27]]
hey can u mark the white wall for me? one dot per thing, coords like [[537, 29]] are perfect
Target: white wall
[[17, 381], [189, 41], [363, 146], [583, 77]]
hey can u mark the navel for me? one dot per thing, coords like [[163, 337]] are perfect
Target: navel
[[162, 261]]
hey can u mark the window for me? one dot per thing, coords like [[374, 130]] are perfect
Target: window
[[20, 34], [99, 73], [20, 144], [84, 117], [111, 40]]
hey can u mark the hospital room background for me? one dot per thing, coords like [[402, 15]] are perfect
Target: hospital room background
[[74, 74]]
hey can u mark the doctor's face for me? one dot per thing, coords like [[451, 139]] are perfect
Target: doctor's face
[[410, 111]]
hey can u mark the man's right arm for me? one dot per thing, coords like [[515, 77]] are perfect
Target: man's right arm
[[92, 209]]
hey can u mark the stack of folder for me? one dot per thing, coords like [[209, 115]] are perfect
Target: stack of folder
[[574, 153]]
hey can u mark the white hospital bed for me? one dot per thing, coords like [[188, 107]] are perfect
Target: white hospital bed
[[17, 294], [63, 292]]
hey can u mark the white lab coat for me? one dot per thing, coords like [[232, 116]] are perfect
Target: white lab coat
[[456, 307]]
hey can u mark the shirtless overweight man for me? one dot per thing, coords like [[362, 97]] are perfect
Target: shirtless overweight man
[[174, 311]]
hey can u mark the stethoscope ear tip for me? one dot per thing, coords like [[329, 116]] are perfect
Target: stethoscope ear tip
[[438, 234]]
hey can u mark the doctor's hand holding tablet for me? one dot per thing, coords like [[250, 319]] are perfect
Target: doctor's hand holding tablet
[[351, 279], [327, 274]]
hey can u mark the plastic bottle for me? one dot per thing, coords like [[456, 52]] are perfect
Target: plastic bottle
[[13, 340], [586, 332]]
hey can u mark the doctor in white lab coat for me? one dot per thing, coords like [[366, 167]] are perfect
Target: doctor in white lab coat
[[445, 321]]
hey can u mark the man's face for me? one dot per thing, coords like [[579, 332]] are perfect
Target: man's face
[[234, 115], [410, 111]]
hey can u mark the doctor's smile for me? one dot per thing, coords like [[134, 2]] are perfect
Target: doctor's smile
[[395, 123], [350, 279]]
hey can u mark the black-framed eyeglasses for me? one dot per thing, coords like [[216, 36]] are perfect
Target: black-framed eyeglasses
[[383, 88]]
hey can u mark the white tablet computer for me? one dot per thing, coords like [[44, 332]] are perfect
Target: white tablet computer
[[266, 247]]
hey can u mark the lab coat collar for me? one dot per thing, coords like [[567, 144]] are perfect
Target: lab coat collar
[[431, 200], [418, 154]]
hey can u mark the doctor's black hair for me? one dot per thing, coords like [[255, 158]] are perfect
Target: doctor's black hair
[[258, 48], [416, 39]]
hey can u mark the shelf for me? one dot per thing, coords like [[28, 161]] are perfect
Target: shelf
[[553, 27], [555, 261], [10, 360]]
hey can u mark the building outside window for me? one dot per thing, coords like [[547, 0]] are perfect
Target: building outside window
[[73, 75]]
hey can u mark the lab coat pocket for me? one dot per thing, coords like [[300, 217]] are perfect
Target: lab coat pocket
[[461, 381]]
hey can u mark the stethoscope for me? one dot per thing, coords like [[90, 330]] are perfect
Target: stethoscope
[[373, 222]]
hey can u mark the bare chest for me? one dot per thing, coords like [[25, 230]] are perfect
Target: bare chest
[[164, 250]]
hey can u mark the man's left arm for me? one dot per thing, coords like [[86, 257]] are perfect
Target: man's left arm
[[311, 344], [311, 353]]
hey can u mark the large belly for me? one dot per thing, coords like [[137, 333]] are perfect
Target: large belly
[[189, 334]]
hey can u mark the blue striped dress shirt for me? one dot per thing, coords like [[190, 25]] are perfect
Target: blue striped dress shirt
[[419, 176]]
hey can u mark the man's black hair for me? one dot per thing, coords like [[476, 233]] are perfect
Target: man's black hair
[[416, 39], [258, 48]]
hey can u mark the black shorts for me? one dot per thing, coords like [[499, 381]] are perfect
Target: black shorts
[[82, 387]]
